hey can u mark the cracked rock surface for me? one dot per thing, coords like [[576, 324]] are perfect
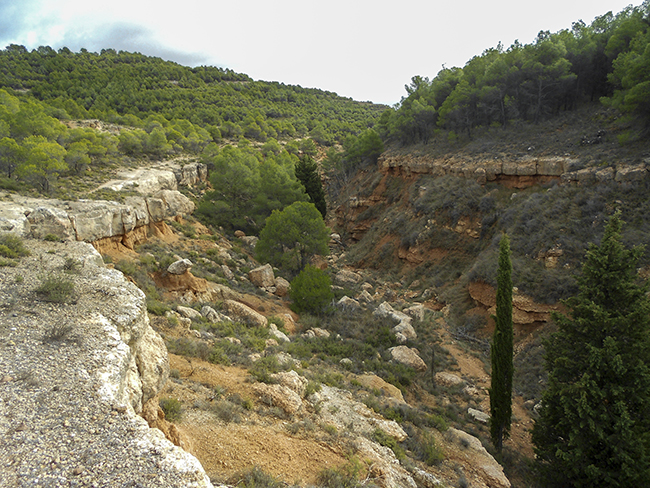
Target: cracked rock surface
[[74, 373]]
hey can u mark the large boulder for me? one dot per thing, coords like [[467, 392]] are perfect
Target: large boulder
[[374, 382], [282, 287], [403, 331], [346, 277], [188, 313], [262, 276], [245, 313], [478, 459], [279, 396], [191, 174], [408, 357], [143, 181], [179, 267]]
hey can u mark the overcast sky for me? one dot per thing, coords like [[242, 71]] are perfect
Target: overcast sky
[[367, 50]]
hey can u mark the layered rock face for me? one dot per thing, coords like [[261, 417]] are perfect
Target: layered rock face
[[519, 172], [92, 220], [75, 374]]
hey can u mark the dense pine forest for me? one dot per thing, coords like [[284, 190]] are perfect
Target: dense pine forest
[[606, 61]]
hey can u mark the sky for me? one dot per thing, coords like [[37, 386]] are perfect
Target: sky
[[367, 50]]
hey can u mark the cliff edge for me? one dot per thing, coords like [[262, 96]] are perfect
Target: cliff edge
[[75, 371]]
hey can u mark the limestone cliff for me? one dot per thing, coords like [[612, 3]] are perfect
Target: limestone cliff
[[124, 224], [518, 172], [75, 373]]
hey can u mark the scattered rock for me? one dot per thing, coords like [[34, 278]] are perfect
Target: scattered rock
[[403, 331], [239, 234], [245, 313], [187, 312], [212, 315], [227, 272], [292, 380], [179, 267], [346, 277], [479, 416], [250, 241], [281, 287], [316, 332], [424, 479], [408, 357], [339, 408], [262, 276], [348, 304], [277, 334], [365, 297], [448, 379]]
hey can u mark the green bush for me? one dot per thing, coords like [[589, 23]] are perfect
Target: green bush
[[346, 476], [256, 478], [11, 246], [311, 291], [424, 446], [172, 408], [383, 439], [157, 307], [56, 289]]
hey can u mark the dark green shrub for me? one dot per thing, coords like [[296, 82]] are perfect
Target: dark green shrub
[[157, 307], [172, 408], [424, 446], [383, 439], [311, 291], [11, 246]]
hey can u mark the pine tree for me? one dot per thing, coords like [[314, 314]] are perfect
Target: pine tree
[[307, 174], [594, 425], [501, 351]]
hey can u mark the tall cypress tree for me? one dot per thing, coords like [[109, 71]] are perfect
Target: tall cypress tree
[[594, 424], [501, 351], [307, 174]]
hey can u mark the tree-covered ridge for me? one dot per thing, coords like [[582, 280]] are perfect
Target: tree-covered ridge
[[607, 60], [127, 88]]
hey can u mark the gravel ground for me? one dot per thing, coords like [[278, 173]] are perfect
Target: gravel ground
[[58, 425]]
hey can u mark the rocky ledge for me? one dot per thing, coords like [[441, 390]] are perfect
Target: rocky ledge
[[74, 374], [518, 172]]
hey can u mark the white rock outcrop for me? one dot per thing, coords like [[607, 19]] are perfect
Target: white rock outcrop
[[262, 276], [97, 374], [403, 331], [245, 314], [90, 220], [408, 356]]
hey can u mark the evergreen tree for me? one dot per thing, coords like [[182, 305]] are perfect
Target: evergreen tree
[[292, 236], [594, 425], [501, 351], [307, 173]]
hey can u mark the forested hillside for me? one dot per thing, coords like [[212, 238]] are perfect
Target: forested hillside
[[606, 60], [127, 88], [401, 198]]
